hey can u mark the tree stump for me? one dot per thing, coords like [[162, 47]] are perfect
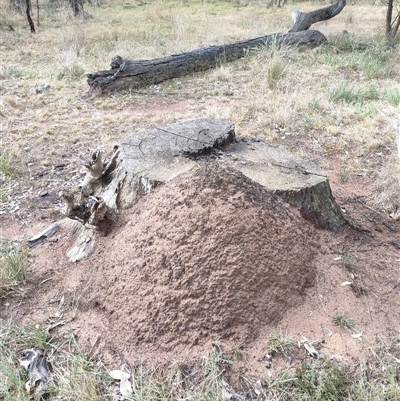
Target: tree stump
[[148, 159]]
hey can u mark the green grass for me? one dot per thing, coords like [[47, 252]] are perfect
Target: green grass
[[6, 164], [83, 376], [13, 266], [392, 96], [13, 339], [347, 93], [279, 343], [316, 380], [357, 55], [349, 262], [76, 376], [275, 72], [342, 320]]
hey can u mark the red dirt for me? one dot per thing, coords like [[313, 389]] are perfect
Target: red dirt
[[213, 256]]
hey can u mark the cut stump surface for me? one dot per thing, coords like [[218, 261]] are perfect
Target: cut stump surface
[[154, 156]]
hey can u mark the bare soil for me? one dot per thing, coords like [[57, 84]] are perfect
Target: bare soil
[[212, 256]]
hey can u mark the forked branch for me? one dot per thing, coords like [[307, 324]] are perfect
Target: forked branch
[[303, 21]]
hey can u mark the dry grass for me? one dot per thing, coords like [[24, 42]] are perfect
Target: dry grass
[[82, 375], [48, 116], [387, 187], [13, 266]]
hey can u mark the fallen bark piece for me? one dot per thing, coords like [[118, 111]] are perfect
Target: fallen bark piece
[[125, 387], [83, 246], [44, 235]]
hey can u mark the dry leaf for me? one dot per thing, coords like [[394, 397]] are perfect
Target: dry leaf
[[119, 374], [125, 386], [357, 336], [311, 350]]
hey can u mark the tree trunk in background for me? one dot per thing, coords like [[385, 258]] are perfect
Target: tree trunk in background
[[28, 15], [77, 7], [392, 25], [37, 6]]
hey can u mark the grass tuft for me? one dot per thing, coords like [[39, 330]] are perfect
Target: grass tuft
[[352, 95], [392, 96], [349, 262], [6, 164], [275, 71], [320, 381], [13, 266], [80, 375], [342, 320], [279, 344]]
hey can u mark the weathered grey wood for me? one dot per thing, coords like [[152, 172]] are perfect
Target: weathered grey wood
[[154, 156], [44, 235], [84, 244], [303, 21], [137, 73], [39, 372], [300, 182]]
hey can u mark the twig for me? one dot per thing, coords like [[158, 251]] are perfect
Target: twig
[[46, 280], [370, 208]]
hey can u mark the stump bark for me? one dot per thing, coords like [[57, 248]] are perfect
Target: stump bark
[[148, 159], [134, 74]]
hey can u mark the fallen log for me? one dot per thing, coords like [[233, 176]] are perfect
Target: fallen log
[[134, 74], [138, 73], [150, 158]]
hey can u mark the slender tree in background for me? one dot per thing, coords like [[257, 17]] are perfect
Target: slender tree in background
[[77, 7], [28, 15], [392, 23], [37, 6]]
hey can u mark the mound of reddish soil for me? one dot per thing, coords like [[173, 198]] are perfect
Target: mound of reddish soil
[[211, 255], [208, 254]]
